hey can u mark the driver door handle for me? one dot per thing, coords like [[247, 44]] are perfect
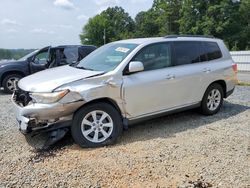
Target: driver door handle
[[170, 77], [206, 70]]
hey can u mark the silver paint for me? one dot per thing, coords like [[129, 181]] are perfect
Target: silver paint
[[137, 95]]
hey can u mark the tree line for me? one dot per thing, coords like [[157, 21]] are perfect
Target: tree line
[[225, 19], [13, 53]]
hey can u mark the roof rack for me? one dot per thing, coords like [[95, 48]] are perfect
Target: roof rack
[[201, 36]]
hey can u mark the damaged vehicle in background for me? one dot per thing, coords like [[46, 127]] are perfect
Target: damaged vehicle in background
[[48, 57], [125, 82]]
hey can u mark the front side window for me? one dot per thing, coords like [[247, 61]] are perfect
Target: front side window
[[41, 57], [107, 57], [156, 56], [187, 52]]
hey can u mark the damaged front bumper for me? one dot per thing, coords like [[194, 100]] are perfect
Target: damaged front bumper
[[37, 117]]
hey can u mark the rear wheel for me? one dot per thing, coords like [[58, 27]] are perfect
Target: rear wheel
[[96, 125], [9, 82], [212, 99]]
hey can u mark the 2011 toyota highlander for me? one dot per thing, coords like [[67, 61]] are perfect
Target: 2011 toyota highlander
[[125, 82]]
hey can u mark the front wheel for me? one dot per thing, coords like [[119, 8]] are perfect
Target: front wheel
[[96, 125], [212, 99], [9, 82]]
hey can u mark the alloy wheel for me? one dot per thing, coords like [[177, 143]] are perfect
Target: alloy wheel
[[97, 126], [11, 83], [213, 99]]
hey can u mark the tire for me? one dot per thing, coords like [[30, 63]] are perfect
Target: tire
[[8, 82], [102, 131], [212, 99]]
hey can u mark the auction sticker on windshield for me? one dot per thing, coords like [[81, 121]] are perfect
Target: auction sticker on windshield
[[122, 49]]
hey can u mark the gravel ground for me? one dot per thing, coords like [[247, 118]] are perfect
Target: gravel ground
[[180, 150]]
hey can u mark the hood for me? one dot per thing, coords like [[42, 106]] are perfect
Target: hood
[[50, 79], [8, 62]]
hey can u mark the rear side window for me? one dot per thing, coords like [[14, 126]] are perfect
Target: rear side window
[[212, 51], [69, 55], [187, 52]]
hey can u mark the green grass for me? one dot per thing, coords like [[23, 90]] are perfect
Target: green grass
[[244, 84]]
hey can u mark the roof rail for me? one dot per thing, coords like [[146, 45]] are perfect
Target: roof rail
[[201, 36]]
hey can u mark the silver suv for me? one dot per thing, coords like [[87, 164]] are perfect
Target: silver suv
[[125, 82]]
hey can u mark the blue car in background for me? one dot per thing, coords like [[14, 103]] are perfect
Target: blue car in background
[[38, 60]]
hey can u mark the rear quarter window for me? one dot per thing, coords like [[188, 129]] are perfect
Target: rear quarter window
[[212, 51]]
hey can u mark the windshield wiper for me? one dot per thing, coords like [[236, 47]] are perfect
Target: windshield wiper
[[84, 68]]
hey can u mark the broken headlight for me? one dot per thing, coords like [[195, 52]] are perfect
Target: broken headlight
[[48, 98]]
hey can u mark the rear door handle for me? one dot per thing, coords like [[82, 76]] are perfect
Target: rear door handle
[[206, 70], [170, 77]]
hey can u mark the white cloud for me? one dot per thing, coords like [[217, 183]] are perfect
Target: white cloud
[[82, 17], [11, 31], [63, 26], [66, 4], [104, 4], [102, 8], [107, 2], [41, 31], [138, 1], [7, 21]]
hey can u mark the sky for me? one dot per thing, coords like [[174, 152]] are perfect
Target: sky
[[38, 23]]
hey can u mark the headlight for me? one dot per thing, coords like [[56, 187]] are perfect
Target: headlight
[[47, 98]]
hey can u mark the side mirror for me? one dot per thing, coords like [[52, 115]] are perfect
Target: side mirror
[[135, 66]]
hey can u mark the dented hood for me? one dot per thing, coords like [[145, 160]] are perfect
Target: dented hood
[[50, 79]]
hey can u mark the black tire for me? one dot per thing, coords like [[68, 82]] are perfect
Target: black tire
[[204, 103], [76, 130], [5, 82]]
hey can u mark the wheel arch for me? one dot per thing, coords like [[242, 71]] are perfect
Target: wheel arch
[[9, 73], [223, 84], [103, 100]]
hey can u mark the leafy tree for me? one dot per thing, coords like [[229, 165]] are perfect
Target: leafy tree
[[219, 18], [5, 54], [146, 25], [225, 19], [13, 53], [244, 34], [168, 12], [116, 23]]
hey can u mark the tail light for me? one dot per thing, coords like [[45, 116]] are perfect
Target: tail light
[[234, 66]]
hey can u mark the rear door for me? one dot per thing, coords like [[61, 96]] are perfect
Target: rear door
[[188, 58], [213, 66]]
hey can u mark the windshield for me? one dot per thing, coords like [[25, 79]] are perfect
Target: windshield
[[107, 57], [27, 56]]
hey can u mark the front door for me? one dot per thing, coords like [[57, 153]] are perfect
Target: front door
[[145, 92], [39, 61]]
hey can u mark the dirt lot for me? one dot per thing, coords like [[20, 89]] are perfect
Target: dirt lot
[[181, 150]]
